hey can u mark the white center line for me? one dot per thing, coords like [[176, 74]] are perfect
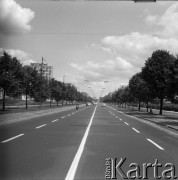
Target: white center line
[[136, 130], [126, 123], [55, 120], [63, 117], [155, 144], [74, 165], [40, 126], [12, 138], [120, 119], [68, 115]]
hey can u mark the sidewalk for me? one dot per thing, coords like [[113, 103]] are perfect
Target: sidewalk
[[169, 120], [16, 117]]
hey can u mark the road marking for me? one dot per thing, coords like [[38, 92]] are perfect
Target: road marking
[[55, 120], [120, 119], [63, 117], [74, 165], [126, 123], [40, 126], [116, 117], [155, 144], [68, 114], [136, 130], [12, 138]]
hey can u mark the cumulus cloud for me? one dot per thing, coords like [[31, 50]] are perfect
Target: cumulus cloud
[[13, 18], [136, 47], [25, 58], [168, 21], [104, 70]]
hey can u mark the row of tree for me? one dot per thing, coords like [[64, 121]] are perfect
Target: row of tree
[[158, 79], [17, 80]]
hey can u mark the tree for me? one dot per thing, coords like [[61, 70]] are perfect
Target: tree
[[57, 91], [41, 90], [30, 76], [158, 73], [10, 76], [139, 89]]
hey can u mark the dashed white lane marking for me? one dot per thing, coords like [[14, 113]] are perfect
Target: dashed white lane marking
[[136, 130], [55, 120], [74, 165], [12, 138], [126, 123], [120, 119], [68, 114], [63, 117], [116, 117], [155, 144], [40, 126]]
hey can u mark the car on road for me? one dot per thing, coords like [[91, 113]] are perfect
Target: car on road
[[103, 105]]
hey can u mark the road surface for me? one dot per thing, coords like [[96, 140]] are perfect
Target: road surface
[[78, 144]]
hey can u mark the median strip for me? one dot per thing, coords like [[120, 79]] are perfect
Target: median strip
[[7, 140], [155, 144], [40, 126]]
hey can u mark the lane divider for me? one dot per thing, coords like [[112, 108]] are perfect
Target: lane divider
[[126, 123], [15, 137], [158, 146], [75, 162], [55, 120], [136, 130], [40, 126]]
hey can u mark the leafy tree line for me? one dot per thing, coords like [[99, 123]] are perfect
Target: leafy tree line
[[17, 80], [158, 79]]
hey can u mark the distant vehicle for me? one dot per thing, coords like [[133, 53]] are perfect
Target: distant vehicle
[[88, 103], [103, 105]]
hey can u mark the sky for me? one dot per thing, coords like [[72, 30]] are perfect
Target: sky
[[95, 45]]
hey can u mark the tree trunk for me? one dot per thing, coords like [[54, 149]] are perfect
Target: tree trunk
[[26, 101], [161, 106], [50, 102], [57, 103], [147, 106], [139, 105], [4, 99], [62, 102]]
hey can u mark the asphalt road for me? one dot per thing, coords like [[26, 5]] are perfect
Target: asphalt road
[[75, 145]]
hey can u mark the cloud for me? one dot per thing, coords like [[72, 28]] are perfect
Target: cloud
[[13, 18], [22, 56], [108, 69], [168, 21], [136, 47]]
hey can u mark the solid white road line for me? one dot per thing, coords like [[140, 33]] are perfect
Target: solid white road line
[[40, 126], [155, 144], [55, 120], [12, 138], [75, 162], [136, 130], [126, 123]]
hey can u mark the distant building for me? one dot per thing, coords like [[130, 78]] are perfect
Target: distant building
[[44, 69]]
